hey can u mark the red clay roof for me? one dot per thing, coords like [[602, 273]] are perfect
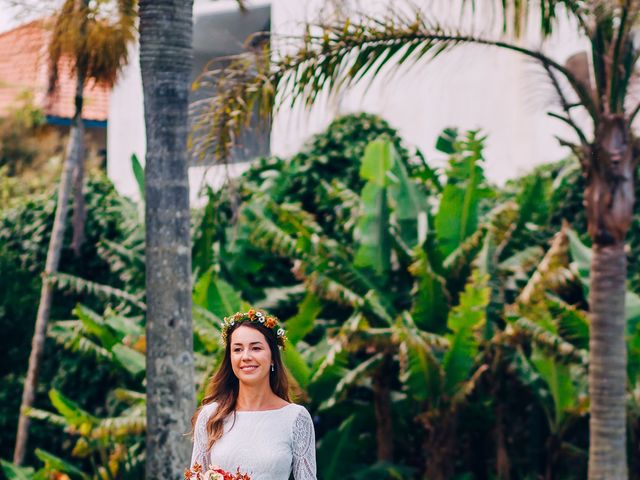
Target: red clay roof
[[24, 67]]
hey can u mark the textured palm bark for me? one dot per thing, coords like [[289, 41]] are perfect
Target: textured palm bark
[[609, 199], [72, 159], [607, 368], [166, 61]]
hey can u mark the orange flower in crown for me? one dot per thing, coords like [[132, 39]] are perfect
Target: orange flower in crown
[[255, 316]]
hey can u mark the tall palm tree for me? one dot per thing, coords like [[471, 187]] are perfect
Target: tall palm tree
[[344, 53], [96, 47], [166, 62]]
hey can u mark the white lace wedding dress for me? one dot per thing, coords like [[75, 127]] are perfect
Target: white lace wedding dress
[[267, 445]]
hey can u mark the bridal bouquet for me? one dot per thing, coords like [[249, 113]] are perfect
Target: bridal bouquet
[[214, 473]]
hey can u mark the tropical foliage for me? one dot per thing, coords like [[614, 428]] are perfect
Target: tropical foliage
[[439, 323], [596, 85]]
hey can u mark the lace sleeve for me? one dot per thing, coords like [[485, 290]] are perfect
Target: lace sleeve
[[304, 448], [199, 453]]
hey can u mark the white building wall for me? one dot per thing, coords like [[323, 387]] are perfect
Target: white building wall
[[501, 93], [219, 29], [470, 88]]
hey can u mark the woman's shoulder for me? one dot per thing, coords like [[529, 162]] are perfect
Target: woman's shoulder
[[299, 409], [207, 410], [297, 413]]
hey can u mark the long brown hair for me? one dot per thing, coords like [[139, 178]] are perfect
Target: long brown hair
[[223, 386]]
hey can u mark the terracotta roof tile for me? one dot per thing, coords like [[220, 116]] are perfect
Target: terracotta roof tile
[[24, 67]]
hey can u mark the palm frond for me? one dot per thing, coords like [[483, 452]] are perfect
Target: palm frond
[[70, 334], [50, 418], [129, 396], [125, 261], [555, 345], [552, 272], [515, 14], [350, 378], [103, 292], [341, 56], [95, 43], [123, 426]]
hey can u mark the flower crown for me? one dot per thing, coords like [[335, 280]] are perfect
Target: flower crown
[[255, 316]]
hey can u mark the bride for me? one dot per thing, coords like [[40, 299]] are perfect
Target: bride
[[246, 420]]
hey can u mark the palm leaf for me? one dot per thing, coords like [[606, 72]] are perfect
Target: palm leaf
[[69, 334], [464, 321], [524, 328], [138, 173], [303, 322], [515, 15], [372, 230], [123, 426], [95, 325], [558, 378], [129, 396], [216, 295], [129, 359], [70, 410], [339, 56], [420, 371], [50, 418], [297, 366], [103, 292], [333, 450], [15, 472], [457, 216], [52, 462], [552, 272], [431, 298], [351, 377]]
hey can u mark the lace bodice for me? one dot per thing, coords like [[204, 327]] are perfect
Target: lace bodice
[[267, 445]]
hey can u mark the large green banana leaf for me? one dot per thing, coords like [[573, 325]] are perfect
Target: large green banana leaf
[[303, 322], [464, 321], [558, 379], [420, 370], [458, 212], [216, 295]]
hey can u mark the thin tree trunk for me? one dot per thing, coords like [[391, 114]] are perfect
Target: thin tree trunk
[[384, 419], [79, 207], [607, 367], [72, 158], [165, 60]]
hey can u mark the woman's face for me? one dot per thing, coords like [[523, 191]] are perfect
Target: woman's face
[[250, 355]]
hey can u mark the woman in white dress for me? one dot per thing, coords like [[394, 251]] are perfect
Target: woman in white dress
[[246, 420]]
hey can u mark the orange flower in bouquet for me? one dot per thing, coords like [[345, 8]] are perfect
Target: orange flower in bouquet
[[214, 473]]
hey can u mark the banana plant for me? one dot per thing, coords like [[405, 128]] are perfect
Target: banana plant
[[385, 274], [441, 375], [113, 446]]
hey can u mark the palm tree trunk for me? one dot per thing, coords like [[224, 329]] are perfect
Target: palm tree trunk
[[609, 199], [72, 159], [165, 61], [607, 367]]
